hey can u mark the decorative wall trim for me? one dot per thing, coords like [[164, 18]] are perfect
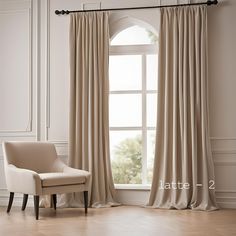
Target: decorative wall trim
[[225, 191], [224, 157], [223, 138], [16, 135], [11, 133], [38, 69], [225, 163], [15, 1], [47, 86], [226, 151], [48, 81], [29, 127]]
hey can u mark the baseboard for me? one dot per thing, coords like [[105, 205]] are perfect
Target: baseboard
[[127, 197], [227, 205], [225, 199], [18, 198]]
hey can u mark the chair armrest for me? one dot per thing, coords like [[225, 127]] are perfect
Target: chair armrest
[[87, 175], [23, 180], [60, 166]]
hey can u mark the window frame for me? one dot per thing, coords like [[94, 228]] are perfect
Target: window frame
[[143, 50]]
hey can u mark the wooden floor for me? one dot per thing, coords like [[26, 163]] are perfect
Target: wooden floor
[[123, 220]]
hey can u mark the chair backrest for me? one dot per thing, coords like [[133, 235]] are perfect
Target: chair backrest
[[36, 156]]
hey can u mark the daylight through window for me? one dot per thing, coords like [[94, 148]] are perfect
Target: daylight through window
[[133, 105]]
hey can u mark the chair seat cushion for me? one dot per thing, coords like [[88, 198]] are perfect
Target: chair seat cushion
[[58, 179]]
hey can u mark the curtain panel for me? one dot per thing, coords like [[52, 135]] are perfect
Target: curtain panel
[[183, 167], [89, 93]]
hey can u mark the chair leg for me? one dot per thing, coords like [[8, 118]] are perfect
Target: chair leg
[[25, 199], [54, 200], [36, 206], [86, 201], [10, 201]]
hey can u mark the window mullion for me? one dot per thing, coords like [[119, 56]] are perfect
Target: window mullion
[[126, 92], [119, 128], [144, 122]]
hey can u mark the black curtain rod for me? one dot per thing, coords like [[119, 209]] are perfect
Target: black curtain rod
[[208, 3]]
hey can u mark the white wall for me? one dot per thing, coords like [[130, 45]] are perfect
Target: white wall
[[18, 75], [222, 85], [37, 88]]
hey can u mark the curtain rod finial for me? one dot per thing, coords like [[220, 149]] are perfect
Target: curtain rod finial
[[214, 2], [62, 12]]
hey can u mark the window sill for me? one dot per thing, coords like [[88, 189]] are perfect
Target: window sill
[[132, 186]]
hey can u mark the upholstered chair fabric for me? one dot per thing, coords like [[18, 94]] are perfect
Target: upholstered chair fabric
[[34, 168]]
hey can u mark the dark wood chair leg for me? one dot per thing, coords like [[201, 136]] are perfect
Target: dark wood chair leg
[[86, 201], [25, 199], [36, 206], [54, 200], [10, 201]]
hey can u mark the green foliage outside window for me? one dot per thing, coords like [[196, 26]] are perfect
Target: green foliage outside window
[[152, 37], [127, 161]]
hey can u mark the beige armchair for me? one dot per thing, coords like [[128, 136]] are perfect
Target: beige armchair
[[34, 168]]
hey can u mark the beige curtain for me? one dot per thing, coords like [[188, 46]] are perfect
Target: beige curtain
[[183, 151], [89, 91]]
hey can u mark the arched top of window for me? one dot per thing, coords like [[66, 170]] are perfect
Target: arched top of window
[[134, 35]]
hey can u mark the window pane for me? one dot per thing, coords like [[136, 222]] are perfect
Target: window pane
[[151, 136], [134, 35], [125, 72], [125, 110], [152, 66], [126, 156], [151, 110]]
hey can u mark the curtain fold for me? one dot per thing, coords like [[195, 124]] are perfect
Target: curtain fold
[[89, 93], [183, 167]]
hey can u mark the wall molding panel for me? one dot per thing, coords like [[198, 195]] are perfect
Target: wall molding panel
[[50, 84], [28, 127], [24, 11]]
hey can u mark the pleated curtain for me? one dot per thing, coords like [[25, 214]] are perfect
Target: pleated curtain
[[183, 169], [89, 92]]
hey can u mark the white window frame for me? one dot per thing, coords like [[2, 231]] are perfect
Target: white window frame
[[143, 50]]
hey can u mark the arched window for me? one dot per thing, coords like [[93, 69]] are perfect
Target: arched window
[[133, 97]]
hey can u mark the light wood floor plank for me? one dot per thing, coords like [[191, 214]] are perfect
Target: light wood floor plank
[[117, 221]]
